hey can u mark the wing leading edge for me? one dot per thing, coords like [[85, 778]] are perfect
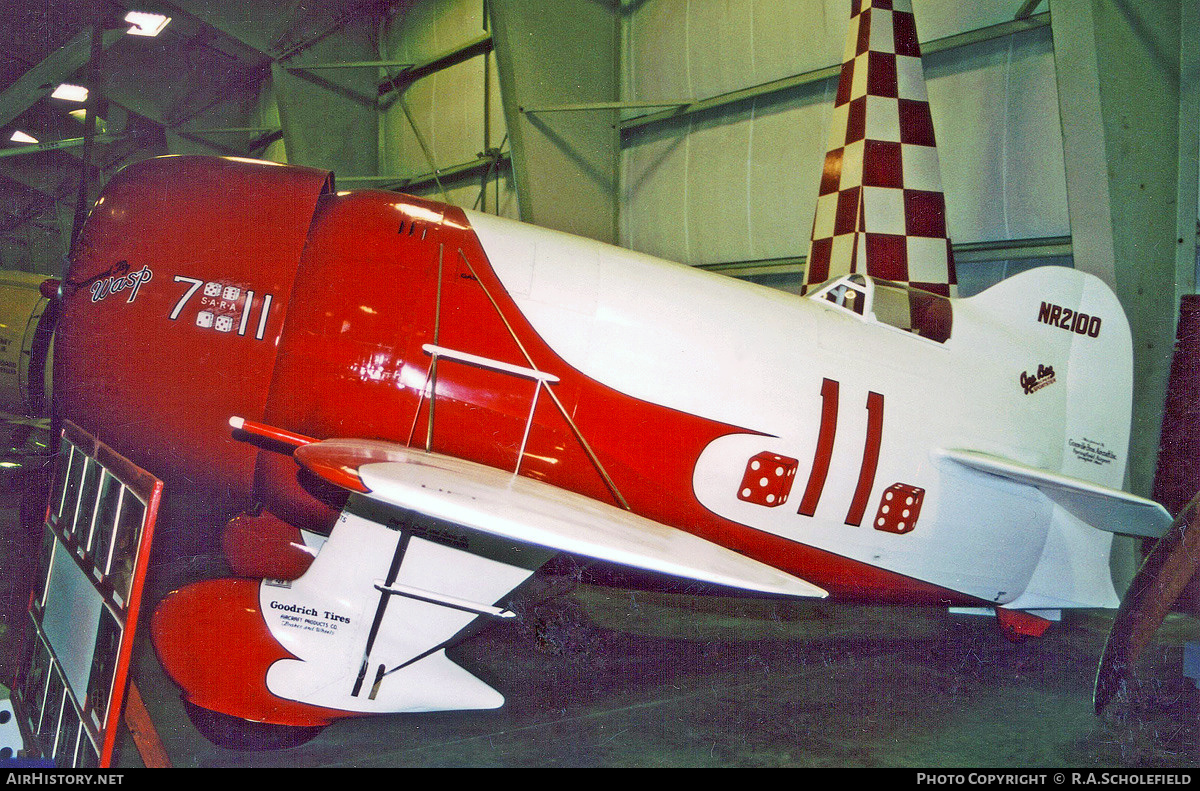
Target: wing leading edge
[[534, 512]]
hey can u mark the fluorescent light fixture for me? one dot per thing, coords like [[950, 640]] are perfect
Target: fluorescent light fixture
[[80, 115], [145, 24], [21, 137], [72, 93]]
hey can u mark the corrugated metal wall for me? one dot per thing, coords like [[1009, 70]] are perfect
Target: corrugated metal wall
[[457, 110], [741, 185], [738, 183]]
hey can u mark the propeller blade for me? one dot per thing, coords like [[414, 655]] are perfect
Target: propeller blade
[[1155, 588]]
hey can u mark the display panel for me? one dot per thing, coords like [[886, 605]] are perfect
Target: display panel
[[84, 609]]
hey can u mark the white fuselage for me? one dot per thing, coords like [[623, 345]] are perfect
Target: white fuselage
[[761, 359]]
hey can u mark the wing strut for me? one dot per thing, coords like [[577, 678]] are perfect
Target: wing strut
[[591, 454], [380, 609], [453, 602]]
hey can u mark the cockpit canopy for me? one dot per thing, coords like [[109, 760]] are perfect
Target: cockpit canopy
[[897, 305]]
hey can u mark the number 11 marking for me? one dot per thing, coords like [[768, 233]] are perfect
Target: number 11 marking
[[823, 454], [870, 462]]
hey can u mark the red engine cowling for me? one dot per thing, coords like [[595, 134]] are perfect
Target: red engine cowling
[[173, 304], [204, 289]]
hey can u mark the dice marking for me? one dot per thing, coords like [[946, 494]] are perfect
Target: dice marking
[[768, 479], [899, 508]]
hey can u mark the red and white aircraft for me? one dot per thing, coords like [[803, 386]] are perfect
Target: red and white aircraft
[[407, 407]]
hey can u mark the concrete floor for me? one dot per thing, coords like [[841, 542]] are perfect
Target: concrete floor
[[631, 679], [609, 677]]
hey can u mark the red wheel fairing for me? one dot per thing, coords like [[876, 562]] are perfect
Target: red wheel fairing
[[213, 642]]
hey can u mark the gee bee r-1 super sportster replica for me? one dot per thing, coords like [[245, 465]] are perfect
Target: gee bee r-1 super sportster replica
[[407, 407]]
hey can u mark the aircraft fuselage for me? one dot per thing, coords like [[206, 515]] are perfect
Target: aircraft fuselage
[[672, 386]]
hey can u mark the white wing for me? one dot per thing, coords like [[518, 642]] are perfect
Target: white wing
[[534, 512]]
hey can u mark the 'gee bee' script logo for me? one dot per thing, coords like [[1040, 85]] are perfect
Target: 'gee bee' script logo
[[1034, 382]]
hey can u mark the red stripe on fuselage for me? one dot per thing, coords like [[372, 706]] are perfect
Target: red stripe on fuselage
[[828, 432], [870, 462]]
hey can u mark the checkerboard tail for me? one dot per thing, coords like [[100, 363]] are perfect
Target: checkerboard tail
[[880, 207]]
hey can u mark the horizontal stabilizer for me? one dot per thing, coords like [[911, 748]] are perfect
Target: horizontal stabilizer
[[534, 512], [1099, 506]]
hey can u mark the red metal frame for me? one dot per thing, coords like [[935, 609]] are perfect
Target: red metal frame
[[148, 490]]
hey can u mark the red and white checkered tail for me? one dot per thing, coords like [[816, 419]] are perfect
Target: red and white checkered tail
[[880, 209]]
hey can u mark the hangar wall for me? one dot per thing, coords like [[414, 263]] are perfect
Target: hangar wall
[[740, 185], [734, 188], [328, 117], [449, 117], [713, 163]]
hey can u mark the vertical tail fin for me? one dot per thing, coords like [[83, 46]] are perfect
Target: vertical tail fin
[[880, 209]]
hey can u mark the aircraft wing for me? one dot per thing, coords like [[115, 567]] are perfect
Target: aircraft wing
[[1099, 506], [534, 512]]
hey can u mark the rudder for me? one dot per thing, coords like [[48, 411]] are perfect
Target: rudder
[[1076, 318]]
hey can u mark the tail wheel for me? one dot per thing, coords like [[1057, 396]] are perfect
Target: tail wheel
[[235, 733]]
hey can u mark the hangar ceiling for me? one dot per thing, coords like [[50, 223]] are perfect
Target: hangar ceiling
[[305, 81], [188, 89]]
